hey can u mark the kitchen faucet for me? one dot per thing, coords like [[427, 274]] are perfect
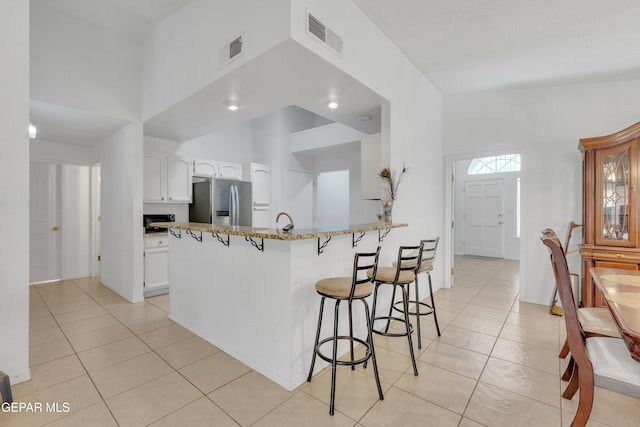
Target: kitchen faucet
[[289, 226]]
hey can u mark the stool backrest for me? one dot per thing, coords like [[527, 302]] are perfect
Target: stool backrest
[[364, 262], [409, 257], [429, 252]]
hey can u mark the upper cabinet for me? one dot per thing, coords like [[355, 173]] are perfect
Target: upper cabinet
[[205, 168], [154, 178], [615, 195], [230, 170], [179, 180], [610, 205], [166, 179]]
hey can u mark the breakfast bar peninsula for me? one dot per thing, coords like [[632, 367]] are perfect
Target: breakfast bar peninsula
[[250, 291]]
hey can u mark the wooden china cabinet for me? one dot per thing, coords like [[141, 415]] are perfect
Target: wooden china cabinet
[[609, 206]]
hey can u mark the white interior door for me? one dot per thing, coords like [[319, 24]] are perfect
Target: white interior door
[[483, 218], [298, 198], [44, 230]]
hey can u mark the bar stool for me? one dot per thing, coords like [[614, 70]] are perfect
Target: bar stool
[[5, 388], [355, 288], [429, 250], [402, 275]]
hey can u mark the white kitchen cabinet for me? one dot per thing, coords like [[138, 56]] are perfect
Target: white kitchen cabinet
[[166, 179], [179, 180], [230, 170], [205, 168], [370, 166], [154, 178], [156, 265], [260, 177]]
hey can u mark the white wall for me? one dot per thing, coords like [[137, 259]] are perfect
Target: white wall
[[271, 136], [360, 211], [511, 243], [81, 65], [54, 152], [75, 221], [14, 190], [545, 125], [413, 132], [332, 198], [121, 245], [232, 144], [181, 55]]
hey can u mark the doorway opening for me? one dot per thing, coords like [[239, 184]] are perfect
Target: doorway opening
[[484, 208], [64, 221]]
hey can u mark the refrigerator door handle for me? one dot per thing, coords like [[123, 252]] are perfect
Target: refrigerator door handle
[[233, 215]]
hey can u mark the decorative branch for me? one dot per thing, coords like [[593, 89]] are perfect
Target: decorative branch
[[392, 182]]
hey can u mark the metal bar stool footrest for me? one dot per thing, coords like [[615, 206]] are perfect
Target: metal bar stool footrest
[[329, 359], [414, 313], [392, 334]]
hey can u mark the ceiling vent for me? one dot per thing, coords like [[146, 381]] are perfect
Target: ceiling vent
[[230, 51], [324, 34]]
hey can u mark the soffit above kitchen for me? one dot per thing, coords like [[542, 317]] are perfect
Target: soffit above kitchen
[[288, 74]]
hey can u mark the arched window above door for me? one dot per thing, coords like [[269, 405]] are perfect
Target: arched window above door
[[495, 164]]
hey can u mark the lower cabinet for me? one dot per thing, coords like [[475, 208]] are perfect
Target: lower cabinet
[[156, 265], [606, 257]]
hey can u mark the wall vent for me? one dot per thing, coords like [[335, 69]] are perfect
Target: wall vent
[[324, 33], [230, 51]]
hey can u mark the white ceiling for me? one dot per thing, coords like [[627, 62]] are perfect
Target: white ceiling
[[132, 19], [460, 45], [470, 45]]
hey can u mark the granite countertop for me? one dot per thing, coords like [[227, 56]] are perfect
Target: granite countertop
[[276, 233]]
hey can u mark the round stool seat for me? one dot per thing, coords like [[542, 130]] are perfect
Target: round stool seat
[[340, 287], [388, 275]]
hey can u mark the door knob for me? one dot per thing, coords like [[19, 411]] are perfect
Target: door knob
[[500, 222], [56, 228]]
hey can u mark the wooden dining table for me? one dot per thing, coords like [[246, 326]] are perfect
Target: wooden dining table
[[620, 290]]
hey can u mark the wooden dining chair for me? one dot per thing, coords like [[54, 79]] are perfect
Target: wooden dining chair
[[594, 322], [602, 361]]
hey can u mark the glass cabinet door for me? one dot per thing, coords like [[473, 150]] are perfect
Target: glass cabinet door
[[615, 187]]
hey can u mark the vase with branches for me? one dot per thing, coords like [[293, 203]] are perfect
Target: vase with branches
[[391, 181]]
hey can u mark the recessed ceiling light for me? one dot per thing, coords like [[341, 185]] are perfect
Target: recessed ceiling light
[[232, 105], [333, 104]]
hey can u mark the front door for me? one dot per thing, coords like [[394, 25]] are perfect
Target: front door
[[43, 250], [483, 218]]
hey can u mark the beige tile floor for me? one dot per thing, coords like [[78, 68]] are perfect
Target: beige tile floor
[[121, 364]]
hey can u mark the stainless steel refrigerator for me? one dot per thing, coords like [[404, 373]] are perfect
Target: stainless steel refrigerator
[[221, 201]]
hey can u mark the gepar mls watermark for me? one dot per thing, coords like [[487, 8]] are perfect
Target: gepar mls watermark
[[27, 407]]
